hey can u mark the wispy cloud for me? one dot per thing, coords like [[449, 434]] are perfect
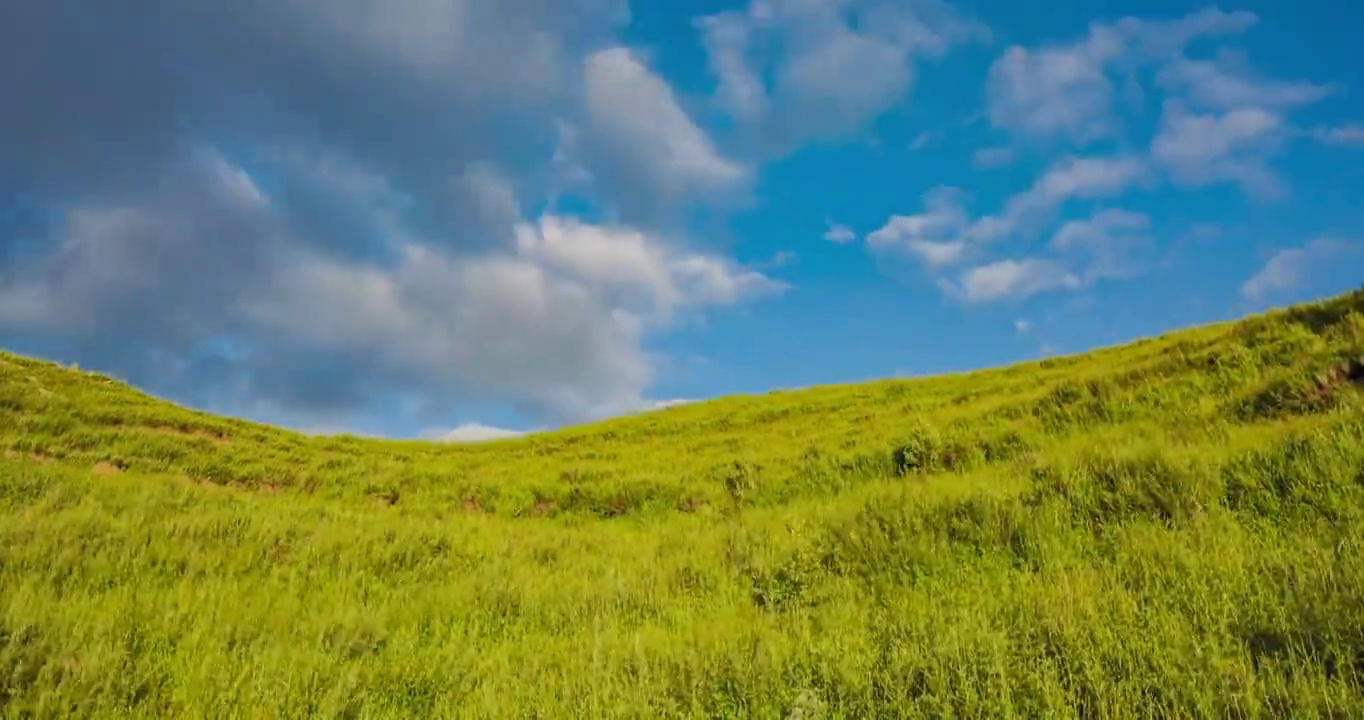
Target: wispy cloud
[[840, 234], [1199, 149], [992, 157], [944, 234], [1288, 269], [921, 141], [1351, 135], [803, 70], [1066, 91]]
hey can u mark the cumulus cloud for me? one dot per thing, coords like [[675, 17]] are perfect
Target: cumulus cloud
[[1288, 269], [1069, 178], [1223, 122], [944, 234], [555, 323], [727, 39], [1107, 245], [1066, 90], [1054, 91], [1015, 279], [934, 236], [316, 208], [641, 138], [1199, 149], [802, 69]]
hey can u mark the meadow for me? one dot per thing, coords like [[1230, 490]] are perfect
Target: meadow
[[1169, 528]]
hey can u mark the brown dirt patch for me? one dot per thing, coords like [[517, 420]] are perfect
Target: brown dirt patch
[[1351, 371], [1348, 372], [215, 437], [106, 468], [387, 499]]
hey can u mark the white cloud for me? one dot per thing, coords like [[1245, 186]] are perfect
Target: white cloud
[[1022, 326], [672, 402], [1221, 121], [409, 142], [1200, 149], [833, 64], [841, 234], [1015, 279], [642, 137], [933, 236], [1099, 229], [470, 432], [780, 258], [558, 324], [125, 260], [1108, 244], [1065, 90], [727, 38], [921, 141], [944, 235], [1085, 178], [1227, 82], [938, 254], [1288, 269], [992, 157], [555, 322], [1054, 91], [1352, 134]]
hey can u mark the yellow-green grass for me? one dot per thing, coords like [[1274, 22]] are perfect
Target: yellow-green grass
[[1174, 527]]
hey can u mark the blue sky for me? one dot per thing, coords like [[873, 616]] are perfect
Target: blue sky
[[464, 217]]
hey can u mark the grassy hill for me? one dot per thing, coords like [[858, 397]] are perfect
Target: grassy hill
[[1174, 527]]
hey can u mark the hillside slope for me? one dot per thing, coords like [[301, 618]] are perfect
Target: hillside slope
[[1171, 527]]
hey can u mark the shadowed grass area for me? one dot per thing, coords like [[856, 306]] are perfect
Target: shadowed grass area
[[1171, 528]]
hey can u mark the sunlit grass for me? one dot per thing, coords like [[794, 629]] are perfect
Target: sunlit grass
[[1168, 528]]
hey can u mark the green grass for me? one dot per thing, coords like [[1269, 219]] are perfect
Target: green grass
[[1171, 528]]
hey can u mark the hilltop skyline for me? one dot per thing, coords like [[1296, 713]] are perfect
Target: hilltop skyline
[[489, 217]]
